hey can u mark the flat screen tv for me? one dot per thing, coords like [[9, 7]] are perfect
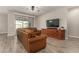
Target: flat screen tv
[[53, 23]]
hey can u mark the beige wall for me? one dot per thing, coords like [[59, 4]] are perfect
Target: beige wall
[[73, 22], [11, 25], [61, 14], [3, 23], [69, 18]]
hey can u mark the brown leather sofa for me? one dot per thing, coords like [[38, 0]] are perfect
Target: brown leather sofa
[[32, 39]]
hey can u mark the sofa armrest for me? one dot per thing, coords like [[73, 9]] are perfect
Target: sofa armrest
[[37, 38]]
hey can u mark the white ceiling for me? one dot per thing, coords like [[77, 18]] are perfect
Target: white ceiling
[[27, 10]]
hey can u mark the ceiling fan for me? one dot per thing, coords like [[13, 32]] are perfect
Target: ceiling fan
[[32, 8]]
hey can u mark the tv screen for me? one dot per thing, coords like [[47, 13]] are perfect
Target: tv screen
[[53, 23]]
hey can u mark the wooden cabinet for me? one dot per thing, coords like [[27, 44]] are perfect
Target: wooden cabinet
[[61, 34], [54, 33]]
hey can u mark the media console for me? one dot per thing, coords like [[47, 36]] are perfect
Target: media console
[[55, 33]]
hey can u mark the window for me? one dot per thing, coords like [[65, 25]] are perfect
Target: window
[[22, 24]]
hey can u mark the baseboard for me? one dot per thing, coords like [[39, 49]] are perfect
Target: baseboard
[[10, 34], [3, 33], [73, 36]]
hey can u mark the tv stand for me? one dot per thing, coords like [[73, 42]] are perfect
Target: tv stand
[[55, 33]]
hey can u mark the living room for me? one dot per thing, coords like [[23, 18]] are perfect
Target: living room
[[14, 17]]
